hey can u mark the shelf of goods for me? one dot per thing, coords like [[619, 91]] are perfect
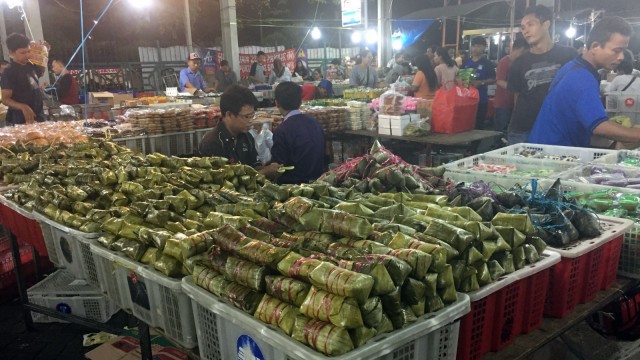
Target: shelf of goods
[[225, 332]]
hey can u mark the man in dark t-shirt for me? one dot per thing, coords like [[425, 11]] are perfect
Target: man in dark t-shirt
[[20, 88], [531, 74], [231, 138], [485, 75]]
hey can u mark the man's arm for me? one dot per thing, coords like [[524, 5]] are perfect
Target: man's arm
[[501, 75], [7, 99], [184, 81], [252, 72], [616, 131]]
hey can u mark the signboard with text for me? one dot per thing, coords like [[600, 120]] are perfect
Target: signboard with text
[[351, 12]]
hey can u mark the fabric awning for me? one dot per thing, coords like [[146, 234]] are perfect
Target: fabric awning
[[449, 11]]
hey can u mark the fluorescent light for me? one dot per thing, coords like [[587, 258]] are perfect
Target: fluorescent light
[[315, 33], [571, 32], [356, 37], [140, 3], [396, 44]]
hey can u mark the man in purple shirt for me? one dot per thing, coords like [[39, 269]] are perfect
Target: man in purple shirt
[[299, 140]]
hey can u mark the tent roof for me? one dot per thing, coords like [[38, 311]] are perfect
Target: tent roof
[[449, 11]]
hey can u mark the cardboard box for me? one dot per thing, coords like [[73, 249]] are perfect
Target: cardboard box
[[128, 348], [108, 98], [119, 98]]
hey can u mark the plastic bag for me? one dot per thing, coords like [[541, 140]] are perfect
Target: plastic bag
[[264, 142], [391, 103], [454, 110]]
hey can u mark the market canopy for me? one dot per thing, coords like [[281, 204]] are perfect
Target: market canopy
[[410, 30], [449, 11]]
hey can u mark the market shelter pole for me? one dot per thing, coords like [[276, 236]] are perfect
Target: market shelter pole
[[3, 35], [187, 25], [230, 33]]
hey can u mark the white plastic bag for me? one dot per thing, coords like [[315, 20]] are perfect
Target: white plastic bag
[[264, 142]]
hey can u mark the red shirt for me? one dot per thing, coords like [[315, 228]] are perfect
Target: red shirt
[[308, 92], [504, 98]]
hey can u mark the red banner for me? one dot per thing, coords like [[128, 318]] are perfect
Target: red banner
[[288, 58]]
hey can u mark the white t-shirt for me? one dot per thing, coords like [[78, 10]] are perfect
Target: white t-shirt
[[621, 81]]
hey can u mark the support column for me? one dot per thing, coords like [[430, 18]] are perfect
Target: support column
[[187, 25], [32, 10], [230, 34], [3, 34], [384, 32]]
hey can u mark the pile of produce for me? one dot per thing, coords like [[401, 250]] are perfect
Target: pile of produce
[[554, 219], [40, 136], [381, 171], [331, 119], [160, 121]]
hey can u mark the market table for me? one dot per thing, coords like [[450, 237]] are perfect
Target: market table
[[470, 139], [526, 345]]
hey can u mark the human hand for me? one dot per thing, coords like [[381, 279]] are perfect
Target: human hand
[[29, 115], [271, 171]]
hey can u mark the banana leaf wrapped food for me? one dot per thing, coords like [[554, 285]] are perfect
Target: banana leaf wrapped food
[[246, 273], [418, 260], [390, 212], [437, 212], [210, 280], [344, 224], [200, 259], [382, 282], [255, 233], [275, 312], [268, 226], [512, 236], [106, 240], [413, 294], [456, 237], [519, 258], [395, 228], [133, 249], [531, 254], [261, 253], [156, 237], [336, 309], [483, 276], [216, 220], [322, 336], [168, 265], [341, 281], [287, 289], [372, 312], [354, 208], [297, 206], [449, 295], [385, 325], [228, 238], [452, 253], [150, 256], [361, 336], [466, 212], [297, 266], [402, 318], [398, 270], [505, 260], [437, 253], [538, 243], [341, 251], [431, 283], [495, 269], [312, 240], [434, 304], [520, 222], [365, 246]]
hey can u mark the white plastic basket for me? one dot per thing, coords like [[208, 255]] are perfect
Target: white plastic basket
[[69, 248], [223, 329], [62, 292], [581, 174], [151, 296], [547, 260], [107, 263], [617, 156], [460, 170], [583, 155]]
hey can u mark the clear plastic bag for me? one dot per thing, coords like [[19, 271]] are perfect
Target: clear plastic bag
[[391, 103], [264, 142]]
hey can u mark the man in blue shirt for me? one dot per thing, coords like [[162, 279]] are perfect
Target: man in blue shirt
[[485, 75], [191, 79], [573, 111], [299, 140]]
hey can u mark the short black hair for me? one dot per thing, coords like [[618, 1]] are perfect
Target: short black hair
[[260, 53], [479, 40], [603, 29], [235, 98], [224, 63], [520, 43], [335, 62], [577, 44], [288, 95], [57, 60], [541, 12], [17, 41], [626, 65]]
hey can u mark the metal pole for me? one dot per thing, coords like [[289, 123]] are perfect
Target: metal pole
[[366, 15], [230, 34], [84, 68], [3, 35], [187, 25]]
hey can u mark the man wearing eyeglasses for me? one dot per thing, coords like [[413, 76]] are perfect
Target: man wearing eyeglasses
[[231, 138]]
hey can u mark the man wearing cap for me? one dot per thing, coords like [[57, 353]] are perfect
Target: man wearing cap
[[191, 79]]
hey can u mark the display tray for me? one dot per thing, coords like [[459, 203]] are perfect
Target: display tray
[[225, 332], [581, 155]]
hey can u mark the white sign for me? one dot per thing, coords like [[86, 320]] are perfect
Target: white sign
[[351, 12]]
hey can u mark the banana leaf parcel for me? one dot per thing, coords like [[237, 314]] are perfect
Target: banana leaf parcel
[[275, 312], [338, 310], [322, 336], [246, 273], [287, 289], [341, 281]]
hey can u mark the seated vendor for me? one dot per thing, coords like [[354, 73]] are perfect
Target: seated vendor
[[191, 79], [324, 90], [231, 138]]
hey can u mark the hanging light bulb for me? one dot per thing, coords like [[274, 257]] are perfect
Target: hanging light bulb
[[356, 37], [140, 3], [571, 32], [315, 33]]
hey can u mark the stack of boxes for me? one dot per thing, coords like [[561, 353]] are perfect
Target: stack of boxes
[[358, 115], [395, 124]]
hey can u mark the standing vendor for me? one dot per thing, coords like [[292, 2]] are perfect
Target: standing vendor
[[191, 79], [66, 86], [20, 89], [258, 72]]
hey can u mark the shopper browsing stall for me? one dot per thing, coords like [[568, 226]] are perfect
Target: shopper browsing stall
[[231, 138], [302, 71], [446, 68], [625, 81], [279, 72], [396, 70], [20, 89], [299, 140], [66, 86], [336, 70], [258, 71], [573, 112], [485, 75], [191, 79], [425, 83], [531, 74], [363, 74]]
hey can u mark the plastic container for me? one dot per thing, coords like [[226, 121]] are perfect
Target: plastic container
[[583, 155], [62, 292], [504, 309], [629, 264], [462, 170], [151, 296], [71, 248], [587, 266], [222, 329], [22, 224], [616, 157], [582, 175]]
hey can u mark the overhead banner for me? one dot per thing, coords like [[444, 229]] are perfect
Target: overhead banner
[[210, 60], [409, 31], [288, 58], [351, 12]]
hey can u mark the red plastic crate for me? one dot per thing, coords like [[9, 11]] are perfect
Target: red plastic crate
[[613, 249], [502, 310], [26, 230], [533, 310], [586, 267]]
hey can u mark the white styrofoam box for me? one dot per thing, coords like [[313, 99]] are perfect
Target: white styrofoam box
[[461, 170], [225, 332], [69, 248], [391, 121], [583, 155], [153, 297], [62, 292], [391, 131]]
